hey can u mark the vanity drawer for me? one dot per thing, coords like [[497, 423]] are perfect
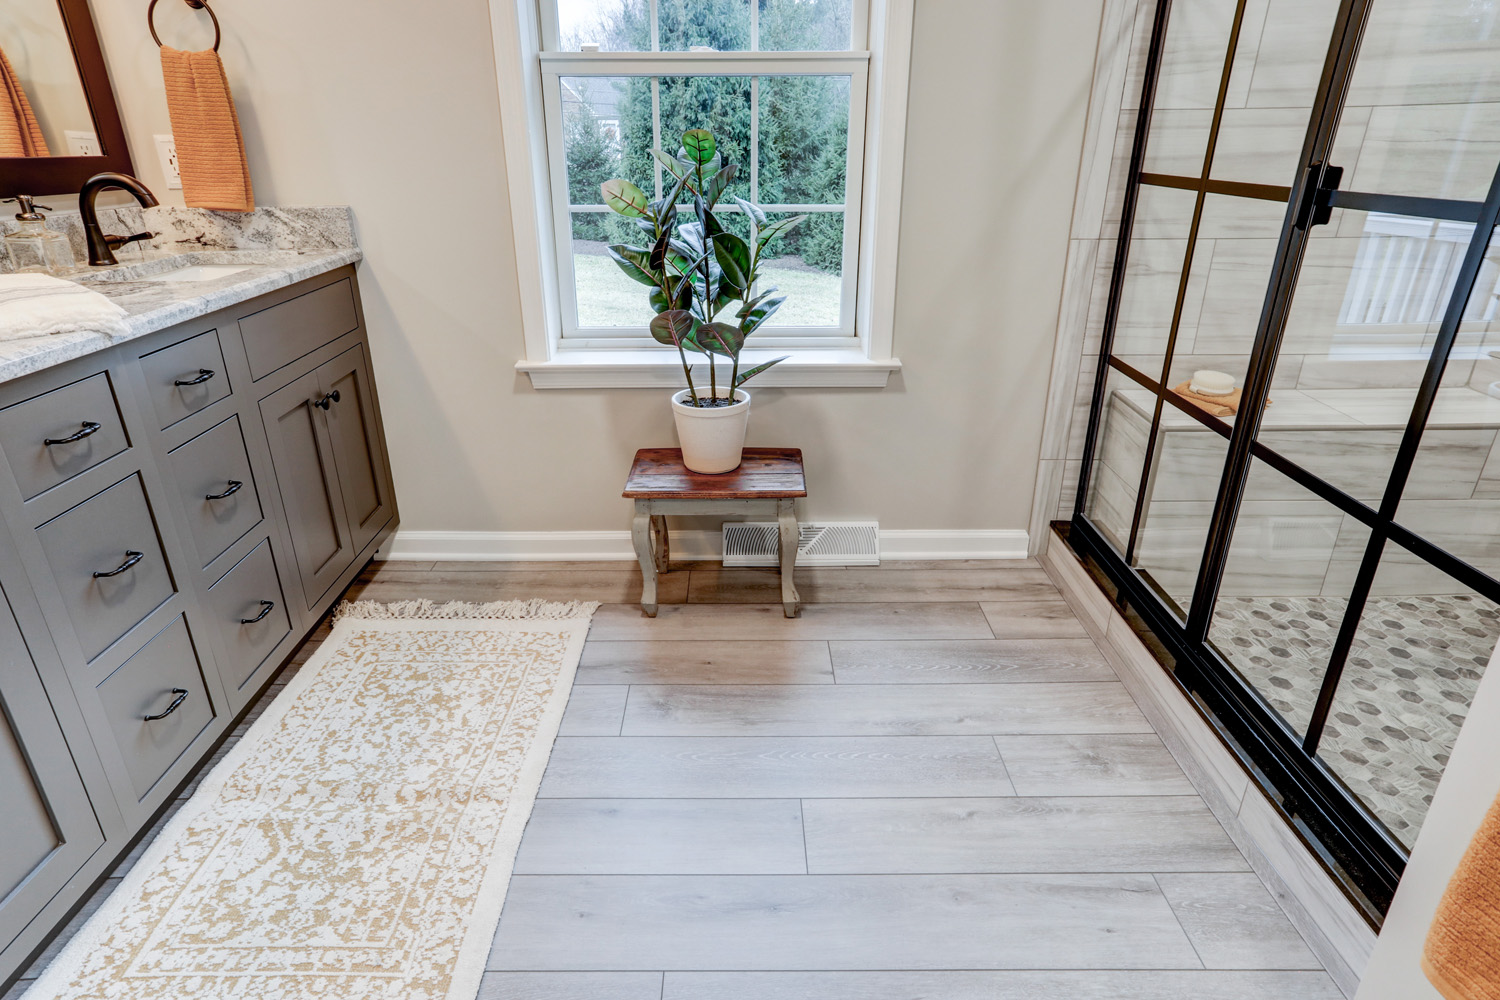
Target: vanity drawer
[[251, 612], [101, 536], [162, 680], [186, 377], [212, 472], [82, 422], [279, 335]]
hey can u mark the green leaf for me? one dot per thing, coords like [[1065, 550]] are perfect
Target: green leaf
[[754, 211], [733, 256], [746, 376], [634, 261], [665, 207], [681, 298], [753, 318], [674, 327], [674, 166], [722, 339], [756, 301], [624, 197], [775, 229], [719, 182], [699, 145], [658, 260]]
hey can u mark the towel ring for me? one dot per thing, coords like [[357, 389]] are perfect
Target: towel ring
[[196, 5]]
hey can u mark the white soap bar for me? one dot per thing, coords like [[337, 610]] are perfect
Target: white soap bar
[[1212, 383]]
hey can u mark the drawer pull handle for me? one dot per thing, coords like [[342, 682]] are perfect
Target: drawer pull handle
[[131, 558], [89, 427], [181, 694], [234, 487], [204, 374], [328, 397], [266, 607]]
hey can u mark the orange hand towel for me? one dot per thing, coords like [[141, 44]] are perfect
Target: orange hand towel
[[1218, 406], [20, 135], [1462, 956], [210, 150]]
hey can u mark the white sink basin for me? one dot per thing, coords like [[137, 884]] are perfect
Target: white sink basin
[[198, 272]]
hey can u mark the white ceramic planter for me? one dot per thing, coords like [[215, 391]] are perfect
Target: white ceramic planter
[[712, 438]]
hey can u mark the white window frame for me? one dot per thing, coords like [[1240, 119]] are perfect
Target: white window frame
[[858, 353]]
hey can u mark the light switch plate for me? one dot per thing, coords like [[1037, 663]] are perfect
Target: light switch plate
[[82, 143], [166, 148]]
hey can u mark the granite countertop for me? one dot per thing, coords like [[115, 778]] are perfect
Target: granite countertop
[[276, 248]]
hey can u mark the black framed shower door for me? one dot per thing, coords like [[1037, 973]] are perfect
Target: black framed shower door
[[1291, 559]]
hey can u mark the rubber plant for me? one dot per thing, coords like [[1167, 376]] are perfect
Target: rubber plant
[[697, 269]]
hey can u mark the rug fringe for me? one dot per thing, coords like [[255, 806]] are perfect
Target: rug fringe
[[535, 609]]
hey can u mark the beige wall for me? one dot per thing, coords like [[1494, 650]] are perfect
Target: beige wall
[[392, 108]]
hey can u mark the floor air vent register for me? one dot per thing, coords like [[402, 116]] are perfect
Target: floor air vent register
[[851, 543]]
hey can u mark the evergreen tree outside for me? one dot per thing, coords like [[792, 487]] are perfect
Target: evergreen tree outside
[[803, 127]]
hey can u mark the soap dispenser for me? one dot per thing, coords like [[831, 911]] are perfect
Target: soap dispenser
[[33, 247]]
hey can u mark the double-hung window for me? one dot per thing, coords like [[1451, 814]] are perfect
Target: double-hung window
[[793, 91]]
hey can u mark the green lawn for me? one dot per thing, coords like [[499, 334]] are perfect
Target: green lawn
[[607, 298]]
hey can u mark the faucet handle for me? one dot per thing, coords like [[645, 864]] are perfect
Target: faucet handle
[[115, 242]]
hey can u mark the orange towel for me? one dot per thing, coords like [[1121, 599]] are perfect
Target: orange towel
[[1462, 957], [1218, 406], [210, 151], [20, 135]]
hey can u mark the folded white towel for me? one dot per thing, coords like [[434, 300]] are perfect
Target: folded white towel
[[38, 305]]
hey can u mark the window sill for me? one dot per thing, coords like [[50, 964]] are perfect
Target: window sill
[[649, 369]]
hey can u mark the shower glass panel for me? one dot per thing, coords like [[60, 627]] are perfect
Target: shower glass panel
[[1311, 211], [1423, 642], [1285, 590]]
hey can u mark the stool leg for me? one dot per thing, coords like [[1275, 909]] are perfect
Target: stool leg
[[663, 544], [640, 534], [786, 515]]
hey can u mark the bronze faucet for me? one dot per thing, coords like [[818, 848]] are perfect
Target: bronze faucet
[[102, 247]]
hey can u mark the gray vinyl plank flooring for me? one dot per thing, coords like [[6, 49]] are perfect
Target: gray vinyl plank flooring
[[677, 662], [881, 710], [774, 767], [570, 986], [1025, 985], [968, 661], [832, 922], [830, 585], [817, 621], [1092, 764], [595, 710], [1040, 619], [971, 835], [14, 993], [557, 585], [1234, 923], [664, 837]]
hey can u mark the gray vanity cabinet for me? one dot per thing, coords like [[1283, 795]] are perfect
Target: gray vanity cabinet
[[48, 830], [177, 513]]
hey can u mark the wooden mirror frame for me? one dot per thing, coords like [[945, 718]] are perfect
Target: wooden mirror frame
[[48, 175]]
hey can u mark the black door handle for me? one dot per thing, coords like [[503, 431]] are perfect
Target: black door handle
[[331, 396], [204, 374], [234, 487], [89, 427], [131, 558], [266, 607], [181, 694]]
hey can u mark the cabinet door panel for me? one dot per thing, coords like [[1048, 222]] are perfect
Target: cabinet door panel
[[47, 825], [302, 455], [363, 478]]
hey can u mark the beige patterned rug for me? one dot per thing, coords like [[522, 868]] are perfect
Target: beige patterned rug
[[356, 844]]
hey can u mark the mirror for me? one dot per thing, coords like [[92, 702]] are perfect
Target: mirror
[[43, 109], [58, 121]]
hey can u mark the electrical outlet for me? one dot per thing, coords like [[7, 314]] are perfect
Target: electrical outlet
[[82, 143], [166, 148]]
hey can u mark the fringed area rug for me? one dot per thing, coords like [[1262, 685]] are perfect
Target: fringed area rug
[[356, 844]]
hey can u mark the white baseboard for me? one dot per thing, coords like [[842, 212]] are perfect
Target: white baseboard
[[590, 546]]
